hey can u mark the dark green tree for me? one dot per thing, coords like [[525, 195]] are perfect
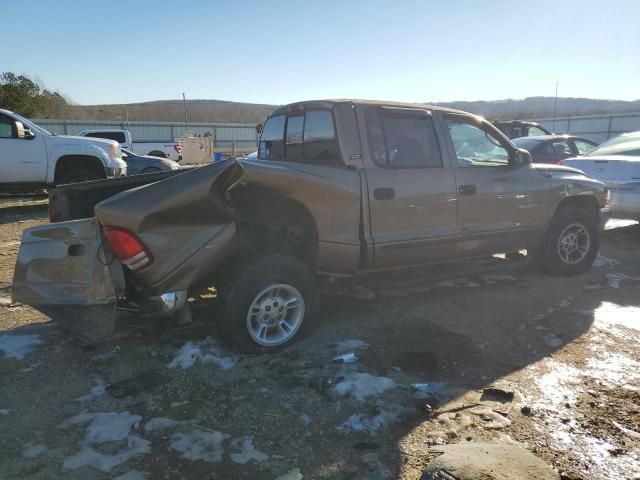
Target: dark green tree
[[22, 95]]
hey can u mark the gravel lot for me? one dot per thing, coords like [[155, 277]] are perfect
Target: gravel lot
[[510, 356]]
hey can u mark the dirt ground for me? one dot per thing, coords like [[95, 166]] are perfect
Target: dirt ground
[[508, 356]]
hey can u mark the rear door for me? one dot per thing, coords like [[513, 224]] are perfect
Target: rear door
[[501, 206], [412, 192]]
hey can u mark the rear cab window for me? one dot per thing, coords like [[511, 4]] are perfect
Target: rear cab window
[[308, 137], [402, 138], [117, 136]]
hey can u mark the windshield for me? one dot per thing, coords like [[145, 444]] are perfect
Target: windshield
[[31, 125], [622, 145], [526, 143]]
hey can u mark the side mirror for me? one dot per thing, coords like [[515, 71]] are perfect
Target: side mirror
[[259, 128], [24, 133], [522, 157]]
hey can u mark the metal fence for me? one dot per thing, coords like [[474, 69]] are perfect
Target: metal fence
[[225, 135], [596, 127]]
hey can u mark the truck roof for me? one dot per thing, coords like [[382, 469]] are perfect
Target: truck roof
[[330, 103]]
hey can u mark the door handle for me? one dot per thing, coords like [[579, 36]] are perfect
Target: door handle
[[384, 194], [468, 189]]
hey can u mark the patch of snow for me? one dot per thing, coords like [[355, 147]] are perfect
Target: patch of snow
[[161, 423], [132, 475], [615, 279], [430, 388], [106, 427], [105, 462], [203, 351], [247, 451], [363, 422], [363, 385], [602, 261], [346, 358], [619, 223], [18, 346], [98, 390], [199, 445], [612, 316], [33, 450], [294, 474]]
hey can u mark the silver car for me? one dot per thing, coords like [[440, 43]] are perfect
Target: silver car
[[616, 162]]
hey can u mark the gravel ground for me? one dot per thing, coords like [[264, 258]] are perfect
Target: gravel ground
[[510, 356]]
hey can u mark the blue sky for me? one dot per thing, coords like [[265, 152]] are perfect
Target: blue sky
[[282, 51]]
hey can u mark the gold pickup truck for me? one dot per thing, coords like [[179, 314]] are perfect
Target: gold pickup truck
[[340, 187]]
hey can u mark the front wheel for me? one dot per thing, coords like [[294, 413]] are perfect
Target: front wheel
[[572, 243], [265, 302]]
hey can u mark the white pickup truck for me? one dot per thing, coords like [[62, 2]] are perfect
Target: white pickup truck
[[170, 150], [32, 158]]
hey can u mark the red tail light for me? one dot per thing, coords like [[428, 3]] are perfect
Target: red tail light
[[178, 148], [127, 247]]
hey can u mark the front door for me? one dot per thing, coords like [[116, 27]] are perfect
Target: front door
[[412, 190], [22, 160], [501, 206]]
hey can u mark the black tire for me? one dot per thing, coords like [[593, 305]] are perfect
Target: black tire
[[567, 222], [150, 170], [240, 285], [80, 175]]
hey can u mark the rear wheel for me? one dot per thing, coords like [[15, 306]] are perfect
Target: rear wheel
[[265, 302], [572, 243], [81, 175]]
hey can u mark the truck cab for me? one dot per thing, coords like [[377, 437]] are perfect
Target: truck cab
[[33, 158]]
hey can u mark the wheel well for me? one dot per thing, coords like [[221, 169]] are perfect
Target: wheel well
[[269, 223], [69, 163], [157, 153], [584, 202]]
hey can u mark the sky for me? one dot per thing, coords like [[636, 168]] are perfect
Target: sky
[[276, 52]]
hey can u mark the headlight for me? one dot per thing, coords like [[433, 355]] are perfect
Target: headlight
[[113, 150]]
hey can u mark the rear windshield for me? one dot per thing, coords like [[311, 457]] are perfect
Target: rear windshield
[[117, 136], [618, 146], [526, 143]]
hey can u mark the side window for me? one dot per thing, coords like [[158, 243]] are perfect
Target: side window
[[474, 146], [559, 147], [295, 128], [320, 142], [535, 131], [583, 147], [7, 127], [272, 139], [403, 139]]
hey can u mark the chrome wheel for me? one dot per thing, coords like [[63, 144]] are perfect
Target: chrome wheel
[[275, 315], [574, 243]]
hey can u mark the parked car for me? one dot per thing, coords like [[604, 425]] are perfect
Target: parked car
[[170, 150], [31, 158], [616, 163], [340, 188], [520, 128], [554, 148], [146, 163]]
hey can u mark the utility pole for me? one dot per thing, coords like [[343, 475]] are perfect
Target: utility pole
[[186, 120], [555, 104]]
